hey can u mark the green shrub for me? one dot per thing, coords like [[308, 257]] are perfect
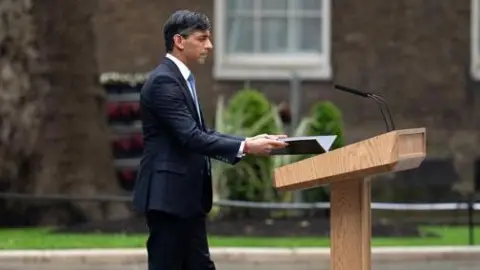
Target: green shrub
[[247, 114], [247, 107], [252, 111], [326, 119]]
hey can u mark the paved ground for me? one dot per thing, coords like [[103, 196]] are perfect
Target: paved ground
[[425, 258], [438, 265]]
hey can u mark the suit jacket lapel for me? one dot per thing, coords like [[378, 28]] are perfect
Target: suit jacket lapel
[[190, 100]]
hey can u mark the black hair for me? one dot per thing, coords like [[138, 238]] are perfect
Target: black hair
[[183, 22]]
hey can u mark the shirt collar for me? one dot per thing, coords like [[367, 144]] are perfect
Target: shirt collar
[[181, 66]]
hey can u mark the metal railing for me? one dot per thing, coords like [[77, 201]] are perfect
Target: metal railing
[[248, 204]]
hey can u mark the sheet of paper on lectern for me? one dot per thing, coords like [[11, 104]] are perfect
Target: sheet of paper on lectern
[[306, 145]]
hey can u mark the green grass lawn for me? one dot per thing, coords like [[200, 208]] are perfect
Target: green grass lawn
[[43, 239]]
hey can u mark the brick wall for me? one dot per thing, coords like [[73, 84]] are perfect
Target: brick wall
[[415, 53]]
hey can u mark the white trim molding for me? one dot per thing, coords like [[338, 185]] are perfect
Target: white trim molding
[[250, 66], [475, 39]]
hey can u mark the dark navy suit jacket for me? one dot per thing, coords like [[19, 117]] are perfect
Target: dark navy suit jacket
[[174, 173]]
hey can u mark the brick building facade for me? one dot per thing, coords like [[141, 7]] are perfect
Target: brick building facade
[[420, 55], [416, 53]]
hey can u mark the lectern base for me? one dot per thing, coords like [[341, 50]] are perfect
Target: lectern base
[[350, 225]]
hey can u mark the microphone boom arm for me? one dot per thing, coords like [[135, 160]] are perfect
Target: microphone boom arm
[[388, 124], [378, 99]]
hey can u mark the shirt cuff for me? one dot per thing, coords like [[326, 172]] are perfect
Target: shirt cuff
[[240, 151]]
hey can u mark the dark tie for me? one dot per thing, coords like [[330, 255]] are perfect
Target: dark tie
[[191, 81]]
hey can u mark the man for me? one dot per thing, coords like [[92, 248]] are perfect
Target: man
[[174, 185]]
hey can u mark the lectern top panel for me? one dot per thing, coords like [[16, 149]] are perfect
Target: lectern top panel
[[393, 151]]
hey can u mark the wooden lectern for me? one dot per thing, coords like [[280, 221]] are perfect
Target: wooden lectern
[[347, 171]]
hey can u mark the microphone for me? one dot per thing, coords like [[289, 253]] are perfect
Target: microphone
[[378, 99]]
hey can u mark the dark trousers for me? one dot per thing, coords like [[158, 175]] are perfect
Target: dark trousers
[[177, 243]]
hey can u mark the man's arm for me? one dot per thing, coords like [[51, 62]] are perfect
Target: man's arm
[[170, 106], [240, 153], [214, 132]]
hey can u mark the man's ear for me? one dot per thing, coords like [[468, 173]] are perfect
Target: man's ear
[[178, 41]]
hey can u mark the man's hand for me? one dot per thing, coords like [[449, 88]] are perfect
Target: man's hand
[[262, 146], [266, 136]]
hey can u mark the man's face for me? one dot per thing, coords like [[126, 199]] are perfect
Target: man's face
[[196, 46]]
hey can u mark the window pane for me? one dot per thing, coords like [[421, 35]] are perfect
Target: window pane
[[239, 34], [274, 4], [274, 35], [312, 5], [239, 5], [308, 34]]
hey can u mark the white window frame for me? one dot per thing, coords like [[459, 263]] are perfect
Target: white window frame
[[475, 39], [312, 66]]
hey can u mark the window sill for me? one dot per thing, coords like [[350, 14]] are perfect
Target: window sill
[[223, 71]]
